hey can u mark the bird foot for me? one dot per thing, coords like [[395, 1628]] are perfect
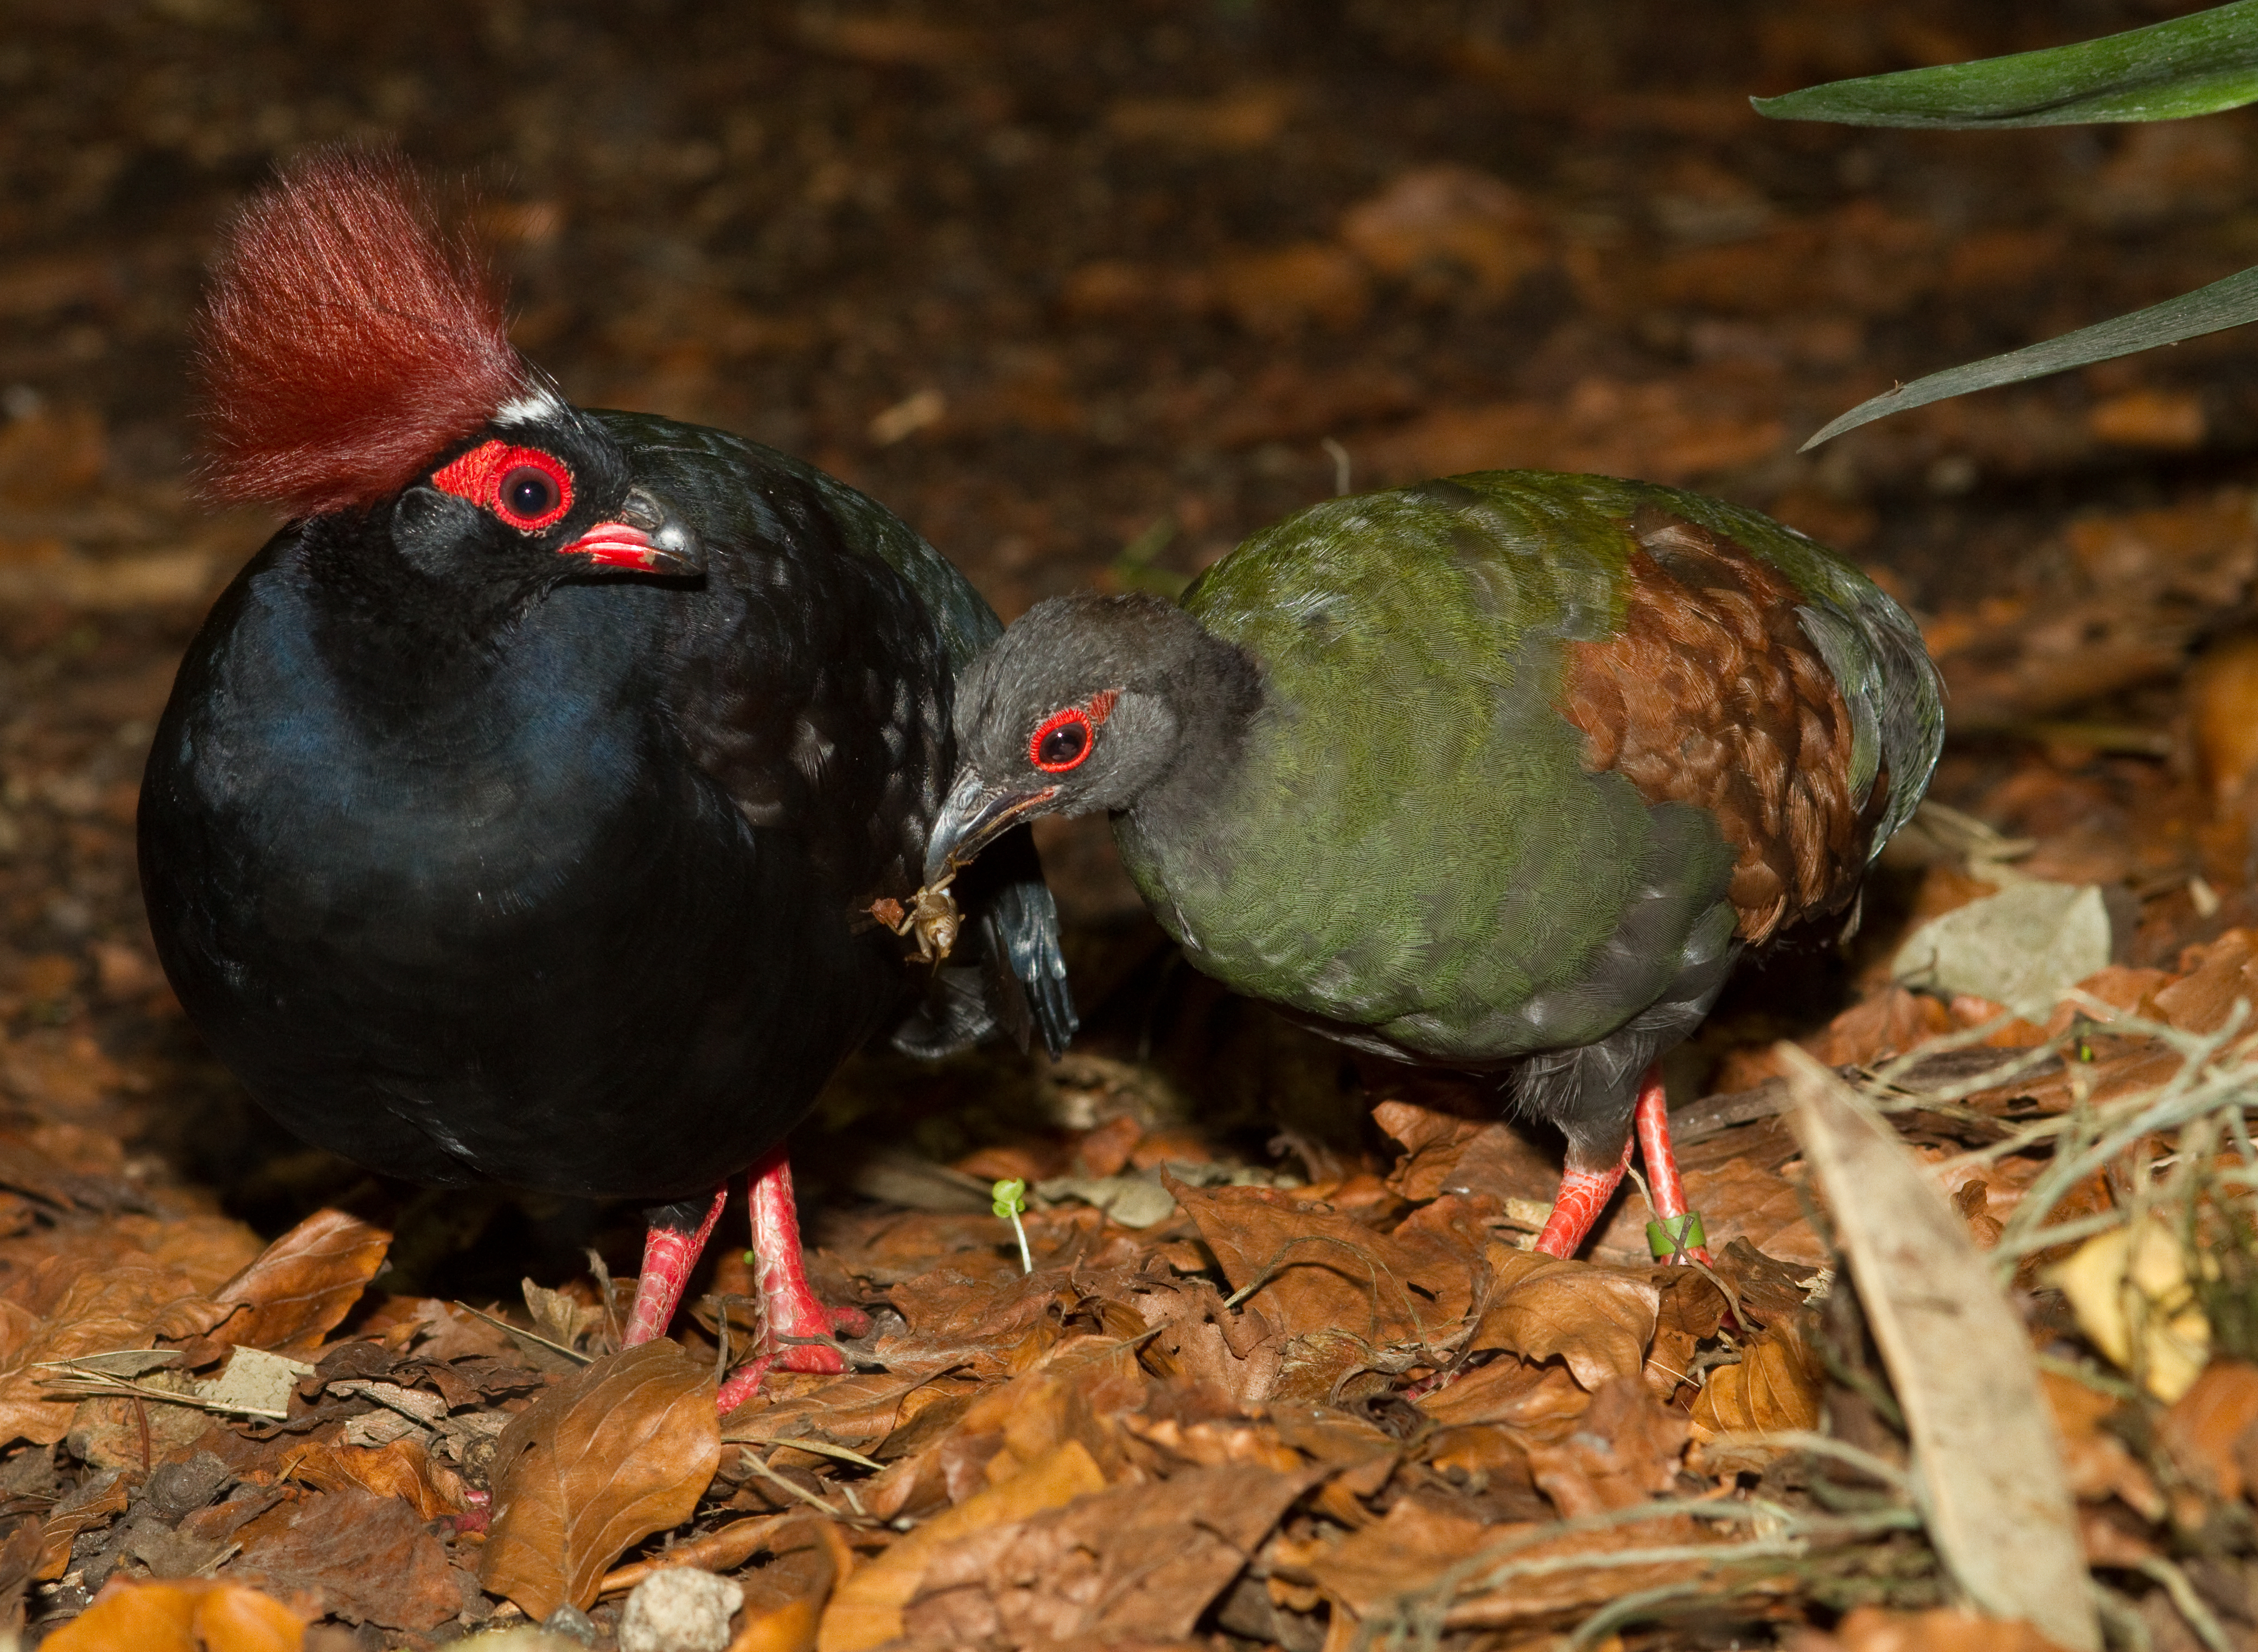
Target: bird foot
[[742, 1384], [792, 1310], [808, 1317]]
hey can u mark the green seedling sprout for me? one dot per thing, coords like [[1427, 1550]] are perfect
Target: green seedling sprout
[[1011, 1199]]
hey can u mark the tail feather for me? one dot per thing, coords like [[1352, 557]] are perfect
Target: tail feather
[[1019, 933]]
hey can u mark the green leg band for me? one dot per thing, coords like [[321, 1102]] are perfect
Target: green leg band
[[1675, 1236]]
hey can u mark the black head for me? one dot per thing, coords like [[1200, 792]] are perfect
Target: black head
[[540, 494], [1086, 703]]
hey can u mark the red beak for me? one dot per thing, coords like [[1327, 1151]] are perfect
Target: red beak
[[645, 538]]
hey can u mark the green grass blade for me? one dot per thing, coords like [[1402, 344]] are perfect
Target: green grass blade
[[2224, 303], [2195, 64]]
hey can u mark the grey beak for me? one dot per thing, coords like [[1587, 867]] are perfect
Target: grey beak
[[976, 815]]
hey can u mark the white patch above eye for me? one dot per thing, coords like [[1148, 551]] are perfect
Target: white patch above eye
[[528, 409]]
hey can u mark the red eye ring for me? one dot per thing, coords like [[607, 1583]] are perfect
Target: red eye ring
[[477, 476], [1063, 741]]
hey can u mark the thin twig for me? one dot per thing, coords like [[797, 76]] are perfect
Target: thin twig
[[800, 1491]]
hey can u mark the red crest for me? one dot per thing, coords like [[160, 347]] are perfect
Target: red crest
[[346, 340]]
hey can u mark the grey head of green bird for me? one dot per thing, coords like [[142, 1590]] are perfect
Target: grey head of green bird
[[1500, 773], [1096, 704]]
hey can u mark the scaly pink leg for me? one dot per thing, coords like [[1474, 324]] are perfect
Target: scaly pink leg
[[792, 1310], [1651, 1119], [1584, 1193], [669, 1254]]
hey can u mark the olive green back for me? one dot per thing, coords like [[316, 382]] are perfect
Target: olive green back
[[1412, 844]]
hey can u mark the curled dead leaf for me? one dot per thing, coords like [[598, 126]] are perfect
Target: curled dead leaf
[[302, 1285], [118, 1307], [1305, 1263], [867, 1610], [1624, 1451], [1597, 1321], [1775, 1386], [400, 1468], [620, 1450], [364, 1558]]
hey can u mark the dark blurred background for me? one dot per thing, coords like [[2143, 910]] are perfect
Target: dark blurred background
[[1086, 293]]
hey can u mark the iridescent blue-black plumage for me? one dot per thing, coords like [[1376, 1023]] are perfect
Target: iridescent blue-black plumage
[[563, 883], [519, 811]]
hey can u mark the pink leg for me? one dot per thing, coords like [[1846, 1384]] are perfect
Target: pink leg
[[1584, 1193], [669, 1254], [790, 1306], [1652, 1121]]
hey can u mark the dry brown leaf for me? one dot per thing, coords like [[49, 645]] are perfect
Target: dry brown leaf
[[96, 1499], [302, 1285], [1665, 431], [369, 1559], [1136, 1562], [119, 1307], [1373, 1570], [784, 1600], [1319, 1267], [1201, 1341], [866, 1609], [2206, 1426], [723, 1550], [187, 1615], [401, 1468], [858, 1410], [620, 1450], [2098, 1462], [1595, 1320], [1775, 1386], [133, 1434], [953, 1307], [2222, 710], [1447, 215], [1431, 1144], [229, 1619], [1532, 1397], [2212, 978], [1943, 1629], [1075, 1389], [1625, 1449], [26, 1169], [1246, 116], [1411, 1544], [205, 1249]]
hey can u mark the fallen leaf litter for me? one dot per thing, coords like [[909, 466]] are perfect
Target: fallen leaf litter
[[1274, 1397]]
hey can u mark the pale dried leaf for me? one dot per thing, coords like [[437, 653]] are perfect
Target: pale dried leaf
[[1999, 1507]]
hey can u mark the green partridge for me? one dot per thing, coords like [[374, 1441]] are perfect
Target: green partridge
[[1500, 773]]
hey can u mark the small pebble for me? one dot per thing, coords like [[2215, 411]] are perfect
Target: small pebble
[[568, 1621], [681, 1609]]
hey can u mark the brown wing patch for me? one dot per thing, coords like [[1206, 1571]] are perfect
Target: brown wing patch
[[1712, 695]]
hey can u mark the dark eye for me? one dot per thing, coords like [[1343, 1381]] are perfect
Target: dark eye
[[528, 493], [1061, 742]]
